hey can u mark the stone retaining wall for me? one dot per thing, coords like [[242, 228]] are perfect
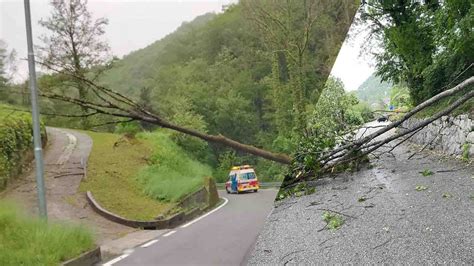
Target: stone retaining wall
[[450, 135]]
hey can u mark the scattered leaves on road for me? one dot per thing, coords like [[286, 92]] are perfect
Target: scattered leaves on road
[[333, 221], [426, 172], [447, 195], [302, 189], [420, 188]]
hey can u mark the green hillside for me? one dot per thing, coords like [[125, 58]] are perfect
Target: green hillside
[[215, 74], [374, 91], [139, 68], [227, 74]]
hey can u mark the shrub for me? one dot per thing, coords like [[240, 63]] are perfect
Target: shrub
[[172, 173], [129, 129], [15, 141]]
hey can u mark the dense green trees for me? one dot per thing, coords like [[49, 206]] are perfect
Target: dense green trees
[[301, 58], [427, 44], [7, 67], [3, 57], [217, 73]]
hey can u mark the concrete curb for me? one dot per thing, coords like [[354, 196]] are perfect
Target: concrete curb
[[201, 196], [154, 224], [88, 258]]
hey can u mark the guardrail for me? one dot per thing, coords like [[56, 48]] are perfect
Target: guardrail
[[262, 185]]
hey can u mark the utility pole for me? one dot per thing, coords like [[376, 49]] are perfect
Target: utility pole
[[35, 115]]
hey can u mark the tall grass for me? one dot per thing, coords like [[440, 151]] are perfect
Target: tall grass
[[172, 173], [27, 241]]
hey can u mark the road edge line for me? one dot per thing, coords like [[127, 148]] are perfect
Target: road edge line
[[205, 215], [169, 233], [149, 243], [119, 258]]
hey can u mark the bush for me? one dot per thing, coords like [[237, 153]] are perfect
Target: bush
[[27, 241], [196, 147], [130, 129], [15, 141]]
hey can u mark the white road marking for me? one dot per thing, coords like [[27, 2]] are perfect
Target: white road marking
[[67, 152], [201, 217], [119, 258], [169, 233], [147, 244]]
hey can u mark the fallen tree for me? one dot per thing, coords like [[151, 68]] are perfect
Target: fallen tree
[[112, 103], [358, 148]]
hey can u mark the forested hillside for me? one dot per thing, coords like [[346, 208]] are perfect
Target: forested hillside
[[217, 74], [374, 91]]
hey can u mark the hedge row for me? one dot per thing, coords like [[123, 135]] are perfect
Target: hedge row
[[16, 142]]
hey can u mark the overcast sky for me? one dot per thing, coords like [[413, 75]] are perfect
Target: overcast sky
[[136, 24]]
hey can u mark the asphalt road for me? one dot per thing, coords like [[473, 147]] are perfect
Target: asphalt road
[[392, 214], [224, 237]]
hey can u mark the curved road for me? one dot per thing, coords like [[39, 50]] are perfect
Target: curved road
[[224, 237]]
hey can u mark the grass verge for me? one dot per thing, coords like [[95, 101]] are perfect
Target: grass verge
[[26, 241], [172, 173], [143, 177], [111, 177]]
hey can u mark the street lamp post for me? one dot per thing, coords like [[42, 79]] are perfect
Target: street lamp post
[[38, 150]]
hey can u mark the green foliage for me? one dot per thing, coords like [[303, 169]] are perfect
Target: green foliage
[[426, 172], [400, 97], [128, 129], [363, 109], [292, 32], [333, 221], [427, 44], [465, 151], [326, 127], [28, 241], [300, 189], [3, 76], [15, 142], [182, 114], [226, 161], [465, 108], [217, 74], [172, 173]]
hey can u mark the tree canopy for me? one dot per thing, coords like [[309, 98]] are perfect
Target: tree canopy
[[427, 44]]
